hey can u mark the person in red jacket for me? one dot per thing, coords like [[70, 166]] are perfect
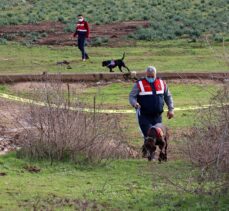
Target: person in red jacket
[[82, 31]]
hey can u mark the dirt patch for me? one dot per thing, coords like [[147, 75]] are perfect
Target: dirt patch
[[11, 125], [32, 86], [53, 33], [195, 81], [32, 169], [80, 87], [6, 59], [2, 174], [112, 77], [55, 202], [7, 144], [10, 113]]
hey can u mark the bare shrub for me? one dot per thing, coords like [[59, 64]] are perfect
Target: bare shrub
[[207, 144], [61, 129], [206, 148]]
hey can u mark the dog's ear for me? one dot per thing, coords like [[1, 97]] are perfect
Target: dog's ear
[[152, 132]]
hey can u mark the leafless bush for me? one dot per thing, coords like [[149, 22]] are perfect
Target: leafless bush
[[61, 129], [207, 144]]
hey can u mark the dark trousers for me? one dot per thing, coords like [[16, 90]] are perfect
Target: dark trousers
[[147, 121], [81, 45]]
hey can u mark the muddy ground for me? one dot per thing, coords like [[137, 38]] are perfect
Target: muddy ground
[[54, 33]]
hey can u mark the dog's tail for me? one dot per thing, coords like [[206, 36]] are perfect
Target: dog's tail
[[123, 56]]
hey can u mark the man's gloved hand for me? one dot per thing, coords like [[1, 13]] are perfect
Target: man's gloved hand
[[137, 105], [170, 114]]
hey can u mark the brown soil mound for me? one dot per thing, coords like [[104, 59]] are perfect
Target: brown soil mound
[[55, 34]]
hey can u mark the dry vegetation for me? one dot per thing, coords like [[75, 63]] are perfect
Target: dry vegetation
[[61, 131], [207, 145]]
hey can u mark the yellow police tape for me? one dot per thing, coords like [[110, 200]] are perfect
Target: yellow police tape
[[108, 111]]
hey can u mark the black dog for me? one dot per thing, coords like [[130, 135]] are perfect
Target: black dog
[[157, 136], [114, 63]]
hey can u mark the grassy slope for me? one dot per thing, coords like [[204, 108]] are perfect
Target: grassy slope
[[169, 56], [169, 18], [122, 185]]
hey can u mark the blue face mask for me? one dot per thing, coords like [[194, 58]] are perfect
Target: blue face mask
[[150, 80]]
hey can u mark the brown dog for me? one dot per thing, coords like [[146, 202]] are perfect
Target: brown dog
[[157, 136]]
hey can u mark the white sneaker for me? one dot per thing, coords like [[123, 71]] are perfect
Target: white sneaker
[[84, 60]]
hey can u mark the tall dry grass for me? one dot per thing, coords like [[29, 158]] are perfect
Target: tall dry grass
[[207, 144], [61, 130]]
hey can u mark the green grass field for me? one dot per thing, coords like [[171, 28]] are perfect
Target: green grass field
[[169, 19], [127, 184], [119, 185], [115, 95], [132, 184], [166, 56]]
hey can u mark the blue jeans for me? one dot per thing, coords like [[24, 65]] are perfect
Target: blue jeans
[[81, 45], [147, 121]]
